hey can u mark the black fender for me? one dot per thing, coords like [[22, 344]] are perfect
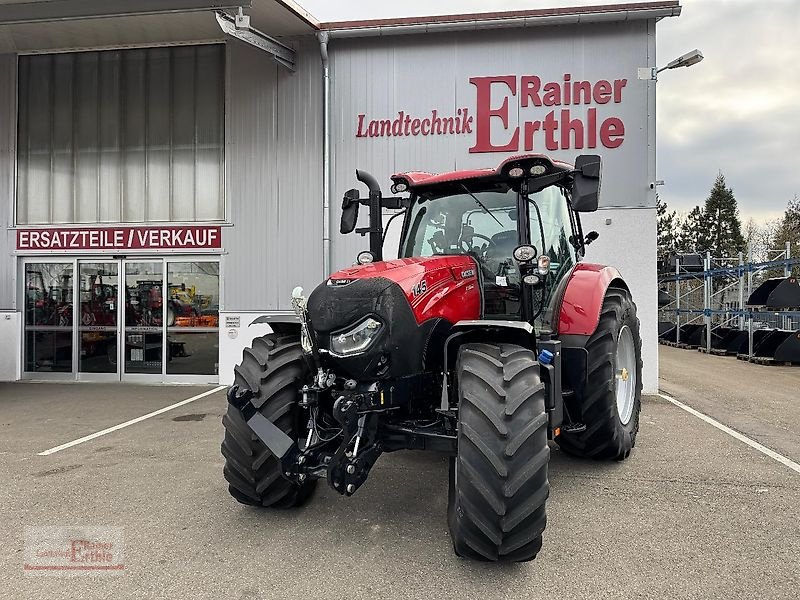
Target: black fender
[[286, 323], [520, 333]]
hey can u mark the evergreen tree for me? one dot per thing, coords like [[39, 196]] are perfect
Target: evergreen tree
[[722, 229], [667, 225], [692, 236], [788, 230]]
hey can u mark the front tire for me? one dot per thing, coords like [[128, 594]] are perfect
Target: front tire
[[272, 369], [498, 481], [610, 402]]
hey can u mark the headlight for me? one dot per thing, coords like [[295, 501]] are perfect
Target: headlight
[[544, 265], [537, 170], [365, 257], [357, 339], [524, 253]]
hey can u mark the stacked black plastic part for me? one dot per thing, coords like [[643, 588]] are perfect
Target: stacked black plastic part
[[770, 346]]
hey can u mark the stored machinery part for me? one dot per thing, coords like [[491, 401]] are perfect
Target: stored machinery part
[[610, 401], [776, 293], [485, 339], [498, 480]]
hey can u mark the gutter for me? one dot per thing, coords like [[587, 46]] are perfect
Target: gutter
[[323, 37], [483, 24]]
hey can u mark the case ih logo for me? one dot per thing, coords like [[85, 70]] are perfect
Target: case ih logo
[[546, 123]]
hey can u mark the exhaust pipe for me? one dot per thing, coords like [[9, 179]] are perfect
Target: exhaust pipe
[[375, 228]]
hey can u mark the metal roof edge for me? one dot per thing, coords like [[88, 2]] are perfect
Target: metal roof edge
[[527, 18], [300, 12]]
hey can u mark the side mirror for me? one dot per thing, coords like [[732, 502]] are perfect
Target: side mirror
[[350, 204], [586, 183]]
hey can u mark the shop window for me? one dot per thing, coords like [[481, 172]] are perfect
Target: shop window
[[129, 136], [193, 318], [48, 317]]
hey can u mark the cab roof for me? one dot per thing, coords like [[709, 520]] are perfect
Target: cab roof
[[422, 181]]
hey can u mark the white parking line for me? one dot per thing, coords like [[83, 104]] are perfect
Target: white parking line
[[735, 434], [98, 434]]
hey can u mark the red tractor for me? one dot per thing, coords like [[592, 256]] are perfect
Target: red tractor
[[487, 338]]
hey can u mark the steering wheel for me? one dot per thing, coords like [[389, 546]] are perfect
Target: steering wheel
[[477, 235]]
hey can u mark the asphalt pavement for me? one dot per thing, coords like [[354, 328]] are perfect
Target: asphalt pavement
[[694, 513]]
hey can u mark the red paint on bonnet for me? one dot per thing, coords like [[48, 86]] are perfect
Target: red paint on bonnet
[[583, 298], [451, 288]]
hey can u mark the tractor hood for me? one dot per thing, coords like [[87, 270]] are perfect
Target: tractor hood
[[415, 300], [426, 282]]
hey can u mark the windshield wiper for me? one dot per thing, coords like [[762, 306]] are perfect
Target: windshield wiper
[[486, 210]]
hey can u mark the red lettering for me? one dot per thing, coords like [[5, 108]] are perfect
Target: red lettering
[[466, 122], [415, 127], [529, 88], [552, 94], [611, 132], [618, 85], [483, 119], [568, 126], [426, 126], [449, 124], [602, 91], [592, 127], [407, 125], [360, 132], [531, 127], [386, 127], [550, 125], [397, 124], [581, 88]]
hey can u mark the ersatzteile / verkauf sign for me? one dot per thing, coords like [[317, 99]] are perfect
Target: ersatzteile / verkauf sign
[[184, 237]]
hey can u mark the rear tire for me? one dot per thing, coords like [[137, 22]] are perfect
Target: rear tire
[[272, 369], [498, 481], [610, 430]]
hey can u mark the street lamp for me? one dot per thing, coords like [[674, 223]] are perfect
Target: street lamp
[[686, 60]]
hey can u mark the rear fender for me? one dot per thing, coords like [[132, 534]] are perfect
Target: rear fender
[[582, 302], [579, 315]]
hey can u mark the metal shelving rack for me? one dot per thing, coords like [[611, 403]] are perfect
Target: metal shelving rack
[[716, 296]]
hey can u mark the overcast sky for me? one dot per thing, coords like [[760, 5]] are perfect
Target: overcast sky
[[738, 111]]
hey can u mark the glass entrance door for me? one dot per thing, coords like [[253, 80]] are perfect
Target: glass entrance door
[[144, 311], [98, 318], [110, 319]]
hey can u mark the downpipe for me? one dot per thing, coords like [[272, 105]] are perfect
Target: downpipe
[[323, 38]]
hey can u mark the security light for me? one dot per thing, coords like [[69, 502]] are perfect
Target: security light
[[687, 60]]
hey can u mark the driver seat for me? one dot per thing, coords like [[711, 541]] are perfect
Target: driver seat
[[500, 301], [500, 249]]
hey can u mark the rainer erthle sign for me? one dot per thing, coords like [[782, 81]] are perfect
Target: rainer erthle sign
[[546, 120], [200, 237]]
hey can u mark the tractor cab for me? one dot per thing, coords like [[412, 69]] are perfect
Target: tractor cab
[[519, 222]]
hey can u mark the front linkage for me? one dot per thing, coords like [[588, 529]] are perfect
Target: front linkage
[[344, 458]]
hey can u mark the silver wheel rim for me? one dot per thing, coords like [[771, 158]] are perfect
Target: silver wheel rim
[[626, 374]]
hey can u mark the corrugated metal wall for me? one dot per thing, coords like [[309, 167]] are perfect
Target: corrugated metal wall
[[274, 178], [8, 121], [418, 73], [378, 77]]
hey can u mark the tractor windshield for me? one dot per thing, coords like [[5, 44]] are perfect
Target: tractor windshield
[[483, 224]]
